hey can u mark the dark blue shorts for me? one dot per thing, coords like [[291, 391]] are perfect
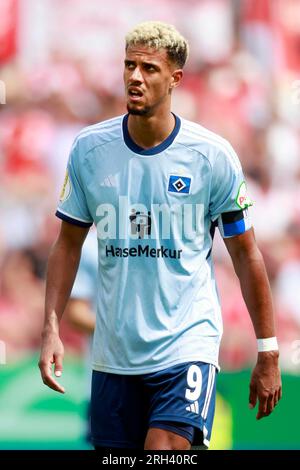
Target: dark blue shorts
[[180, 399]]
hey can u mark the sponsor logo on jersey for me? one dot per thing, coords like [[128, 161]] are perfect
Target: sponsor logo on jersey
[[158, 222], [242, 200], [136, 222], [145, 251], [140, 223], [179, 184], [66, 189]]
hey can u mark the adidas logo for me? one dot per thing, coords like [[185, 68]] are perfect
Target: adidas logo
[[193, 407], [109, 181]]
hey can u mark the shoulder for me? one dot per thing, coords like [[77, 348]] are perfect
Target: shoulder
[[209, 144], [98, 134]]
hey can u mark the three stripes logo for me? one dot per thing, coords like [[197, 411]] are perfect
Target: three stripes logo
[[193, 393], [193, 407]]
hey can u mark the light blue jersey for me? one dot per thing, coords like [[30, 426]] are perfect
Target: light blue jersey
[[155, 211]]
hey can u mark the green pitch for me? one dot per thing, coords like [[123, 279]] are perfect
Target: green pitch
[[35, 417]]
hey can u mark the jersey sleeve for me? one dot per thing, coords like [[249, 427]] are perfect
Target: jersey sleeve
[[229, 201], [72, 205]]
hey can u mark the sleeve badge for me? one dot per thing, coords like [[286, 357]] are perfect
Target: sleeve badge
[[242, 200], [66, 189]]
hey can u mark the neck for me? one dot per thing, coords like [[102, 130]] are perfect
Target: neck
[[149, 131]]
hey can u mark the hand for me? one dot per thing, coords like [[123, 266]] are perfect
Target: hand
[[52, 352], [265, 384]]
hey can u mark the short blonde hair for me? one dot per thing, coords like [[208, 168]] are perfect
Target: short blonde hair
[[160, 35]]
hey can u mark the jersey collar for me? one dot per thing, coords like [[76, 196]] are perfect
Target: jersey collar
[[153, 150]]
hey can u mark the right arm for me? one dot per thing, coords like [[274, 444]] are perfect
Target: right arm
[[62, 267]]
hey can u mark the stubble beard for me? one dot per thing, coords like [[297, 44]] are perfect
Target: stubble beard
[[139, 112]]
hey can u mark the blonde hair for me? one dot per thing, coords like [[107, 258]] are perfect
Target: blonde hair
[[158, 35]]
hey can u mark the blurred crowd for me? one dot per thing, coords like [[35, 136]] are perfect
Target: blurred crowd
[[242, 81]]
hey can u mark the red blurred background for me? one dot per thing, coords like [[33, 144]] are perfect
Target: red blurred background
[[61, 65]]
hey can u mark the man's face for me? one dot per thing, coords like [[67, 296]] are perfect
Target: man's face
[[148, 77]]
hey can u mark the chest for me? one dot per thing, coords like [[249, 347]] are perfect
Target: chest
[[170, 178]]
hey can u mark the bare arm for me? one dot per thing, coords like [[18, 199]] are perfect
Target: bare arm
[[62, 267], [249, 266]]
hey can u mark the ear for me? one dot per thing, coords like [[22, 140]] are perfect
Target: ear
[[176, 78]]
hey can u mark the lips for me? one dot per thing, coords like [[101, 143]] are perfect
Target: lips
[[135, 94], [134, 91]]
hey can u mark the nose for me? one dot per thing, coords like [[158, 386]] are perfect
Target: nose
[[136, 75]]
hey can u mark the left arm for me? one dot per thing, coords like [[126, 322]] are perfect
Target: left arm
[[249, 266]]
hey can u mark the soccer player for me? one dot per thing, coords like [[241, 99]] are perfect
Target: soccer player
[[156, 185]]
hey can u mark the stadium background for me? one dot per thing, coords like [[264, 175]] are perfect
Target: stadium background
[[61, 69]]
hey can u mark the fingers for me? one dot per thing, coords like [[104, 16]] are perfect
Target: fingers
[[265, 386], [58, 368], [252, 396], [276, 397], [46, 371], [262, 408], [50, 382], [270, 404], [267, 402]]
